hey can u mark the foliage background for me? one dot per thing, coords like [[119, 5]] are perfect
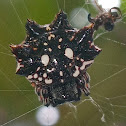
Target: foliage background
[[17, 98]]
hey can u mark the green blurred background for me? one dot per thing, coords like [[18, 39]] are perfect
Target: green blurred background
[[18, 102]]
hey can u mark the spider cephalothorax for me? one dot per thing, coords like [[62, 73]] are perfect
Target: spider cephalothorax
[[55, 57]]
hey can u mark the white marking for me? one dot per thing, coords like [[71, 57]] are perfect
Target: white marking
[[70, 64], [82, 38], [92, 43], [19, 66], [86, 63], [50, 70], [45, 75], [62, 80], [20, 60], [45, 59], [45, 43], [77, 72], [13, 46], [45, 25], [63, 96], [51, 36], [97, 48], [30, 76], [48, 28], [69, 53], [35, 40], [48, 81], [38, 69], [61, 73], [35, 75], [50, 50], [30, 60], [60, 40], [59, 46], [55, 61], [40, 78]]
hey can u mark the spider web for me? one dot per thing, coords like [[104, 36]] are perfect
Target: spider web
[[106, 106]]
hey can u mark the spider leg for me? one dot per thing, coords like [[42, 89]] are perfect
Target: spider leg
[[91, 19], [116, 8], [99, 7]]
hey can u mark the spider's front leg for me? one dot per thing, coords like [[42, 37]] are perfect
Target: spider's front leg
[[91, 20]]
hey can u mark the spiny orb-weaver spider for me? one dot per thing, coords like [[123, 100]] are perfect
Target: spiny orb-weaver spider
[[55, 57]]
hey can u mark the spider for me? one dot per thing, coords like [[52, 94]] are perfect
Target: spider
[[55, 57], [106, 19]]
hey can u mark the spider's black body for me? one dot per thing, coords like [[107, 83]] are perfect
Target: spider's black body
[[55, 57]]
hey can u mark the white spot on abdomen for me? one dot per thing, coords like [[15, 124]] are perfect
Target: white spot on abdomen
[[61, 73], [55, 61], [35, 75], [48, 81], [20, 60], [40, 78], [45, 59], [50, 50], [45, 43], [30, 76], [69, 53], [77, 72], [51, 36], [62, 80], [48, 28], [38, 69], [60, 40], [50, 70], [44, 75]]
